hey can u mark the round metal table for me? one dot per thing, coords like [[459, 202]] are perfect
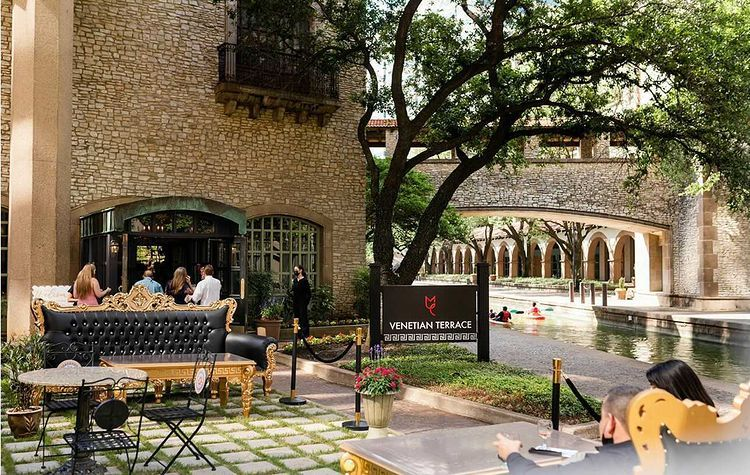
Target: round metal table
[[75, 377]]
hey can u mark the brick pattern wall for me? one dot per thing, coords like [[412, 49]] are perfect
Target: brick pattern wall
[[6, 12], [733, 250], [145, 123], [585, 186], [685, 257]]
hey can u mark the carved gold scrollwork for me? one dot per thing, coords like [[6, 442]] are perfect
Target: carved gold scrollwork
[[139, 299]]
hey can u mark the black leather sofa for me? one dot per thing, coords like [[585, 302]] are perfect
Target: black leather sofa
[[139, 323]]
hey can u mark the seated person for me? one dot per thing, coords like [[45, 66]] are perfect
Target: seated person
[[679, 380], [493, 315], [504, 315], [535, 312], [616, 456]]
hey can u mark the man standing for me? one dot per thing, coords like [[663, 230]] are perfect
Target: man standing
[[148, 281], [616, 455], [208, 290]]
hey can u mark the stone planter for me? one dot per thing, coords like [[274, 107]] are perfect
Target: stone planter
[[493, 277], [621, 293], [378, 412], [24, 423], [273, 327]]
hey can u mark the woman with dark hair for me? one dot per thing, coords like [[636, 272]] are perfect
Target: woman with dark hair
[[678, 379], [301, 296]]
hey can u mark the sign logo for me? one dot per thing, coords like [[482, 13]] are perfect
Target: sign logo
[[430, 303]]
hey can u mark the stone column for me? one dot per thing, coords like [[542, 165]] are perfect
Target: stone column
[[40, 144], [648, 263], [708, 259]]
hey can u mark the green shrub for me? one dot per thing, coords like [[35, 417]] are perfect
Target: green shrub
[[322, 304], [272, 312], [259, 288]]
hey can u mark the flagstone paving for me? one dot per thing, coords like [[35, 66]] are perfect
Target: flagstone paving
[[276, 439]]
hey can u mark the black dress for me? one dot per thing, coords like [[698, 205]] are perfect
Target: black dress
[[301, 295], [179, 297]]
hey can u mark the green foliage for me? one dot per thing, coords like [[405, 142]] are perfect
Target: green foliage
[[272, 312], [259, 288], [415, 194], [621, 283], [322, 304], [325, 342], [454, 370], [20, 355], [361, 288]]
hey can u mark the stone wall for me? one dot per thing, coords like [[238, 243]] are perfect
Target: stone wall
[[6, 12], [581, 186], [685, 257], [733, 251], [146, 124]]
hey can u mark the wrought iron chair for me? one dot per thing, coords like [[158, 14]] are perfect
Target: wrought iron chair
[[61, 356], [194, 409], [109, 416]]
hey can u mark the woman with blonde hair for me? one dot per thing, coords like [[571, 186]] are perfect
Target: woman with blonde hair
[[179, 287], [86, 289]]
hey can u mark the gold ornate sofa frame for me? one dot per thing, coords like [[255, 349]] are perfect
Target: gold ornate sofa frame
[[139, 299], [688, 421]]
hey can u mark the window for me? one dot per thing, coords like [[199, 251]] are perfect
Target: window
[[179, 223], [276, 244]]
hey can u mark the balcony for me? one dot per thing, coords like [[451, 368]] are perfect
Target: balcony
[[258, 79]]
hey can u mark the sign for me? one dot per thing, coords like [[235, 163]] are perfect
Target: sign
[[429, 313]]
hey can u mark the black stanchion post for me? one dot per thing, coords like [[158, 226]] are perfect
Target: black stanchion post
[[357, 424], [483, 310], [556, 373], [293, 399], [375, 333], [605, 290]]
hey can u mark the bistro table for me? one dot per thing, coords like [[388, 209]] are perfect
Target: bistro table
[[450, 451], [75, 377]]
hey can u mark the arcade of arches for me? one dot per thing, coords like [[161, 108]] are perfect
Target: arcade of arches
[[609, 255]]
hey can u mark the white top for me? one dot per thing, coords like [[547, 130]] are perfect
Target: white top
[[206, 292]]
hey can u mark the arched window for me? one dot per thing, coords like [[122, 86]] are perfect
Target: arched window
[[276, 244], [556, 262]]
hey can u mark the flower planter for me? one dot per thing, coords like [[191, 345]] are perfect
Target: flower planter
[[621, 293], [24, 423], [273, 327], [378, 413]]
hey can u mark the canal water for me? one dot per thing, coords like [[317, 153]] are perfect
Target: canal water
[[724, 362]]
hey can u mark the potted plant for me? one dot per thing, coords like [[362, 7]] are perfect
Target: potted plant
[[271, 317], [620, 290], [19, 356], [378, 388]]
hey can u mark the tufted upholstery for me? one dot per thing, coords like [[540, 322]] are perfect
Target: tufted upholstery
[[137, 333]]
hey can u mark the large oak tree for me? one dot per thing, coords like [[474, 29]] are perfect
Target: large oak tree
[[483, 76]]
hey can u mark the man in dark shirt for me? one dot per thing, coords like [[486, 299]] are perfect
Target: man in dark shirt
[[616, 456]]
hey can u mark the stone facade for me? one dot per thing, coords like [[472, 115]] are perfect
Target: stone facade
[[733, 250], [584, 187], [146, 124], [685, 257], [6, 10]]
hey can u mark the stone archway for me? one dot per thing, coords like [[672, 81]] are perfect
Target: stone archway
[[535, 254], [553, 261], [503, 261], [491, 259], [624, 257], [433, 262], [515, 262], [598, 259], [458, 261], [468, 261], [442, 264]]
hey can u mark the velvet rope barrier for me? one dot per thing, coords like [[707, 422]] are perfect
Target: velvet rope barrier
[[326, 360]]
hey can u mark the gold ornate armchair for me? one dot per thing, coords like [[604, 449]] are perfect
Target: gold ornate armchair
[[687, 437]]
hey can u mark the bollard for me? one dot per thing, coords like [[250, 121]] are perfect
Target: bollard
[[583, 292], [556, 372], [592, 292], [357, 424], [293, 399], [605, 289], [572, 291]]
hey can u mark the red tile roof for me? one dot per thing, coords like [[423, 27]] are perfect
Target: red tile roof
[[382, 123]]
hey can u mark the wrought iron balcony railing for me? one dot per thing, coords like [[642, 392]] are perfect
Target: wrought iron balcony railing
[[274, 70]]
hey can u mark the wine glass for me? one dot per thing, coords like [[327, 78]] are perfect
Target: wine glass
[[544, 428]]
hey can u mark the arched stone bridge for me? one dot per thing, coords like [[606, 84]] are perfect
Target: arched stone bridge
[[588, 191]]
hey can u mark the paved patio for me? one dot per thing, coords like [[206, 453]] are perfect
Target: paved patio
[[275, 439]]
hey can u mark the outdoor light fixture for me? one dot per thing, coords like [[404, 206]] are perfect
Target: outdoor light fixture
[[114, 247]]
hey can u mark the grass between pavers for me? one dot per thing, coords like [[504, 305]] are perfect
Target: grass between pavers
[[455, 371], [265, 422]]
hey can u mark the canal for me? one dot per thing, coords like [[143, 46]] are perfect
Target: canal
[[724, 362]]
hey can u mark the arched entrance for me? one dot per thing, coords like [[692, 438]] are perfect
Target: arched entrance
[[553, 260], [442, 267], [624, 265], [536, 261], [434, 262], [491, 260], [504, 262], [468, 261], [458, 262], [598, 260]]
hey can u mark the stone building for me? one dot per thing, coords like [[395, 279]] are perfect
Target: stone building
[[143, 134]]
